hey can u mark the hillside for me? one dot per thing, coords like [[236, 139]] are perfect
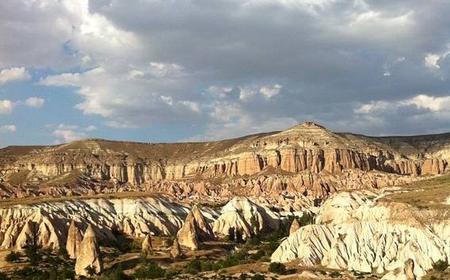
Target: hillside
[[307, 156]]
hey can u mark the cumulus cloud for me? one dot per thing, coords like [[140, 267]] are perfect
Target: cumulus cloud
[[64, 133], [14, 74], [418, 112], [9, 128], [34, 102], [6, 106], [232, 65]]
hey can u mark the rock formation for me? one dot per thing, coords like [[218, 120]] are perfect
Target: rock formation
[[47, 224], [147, 247], [26, 236], [101, 166], [294, 226], [187, 235], [405, 273], [356, 232], [243, 215], [175, 251], [194, 230], [74, 239], [89, 256]]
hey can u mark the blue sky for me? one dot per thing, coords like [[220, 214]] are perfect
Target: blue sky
[[163, 71]]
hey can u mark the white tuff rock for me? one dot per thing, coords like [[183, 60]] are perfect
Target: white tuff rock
[[89, 257], [355, 232], [74, 239]]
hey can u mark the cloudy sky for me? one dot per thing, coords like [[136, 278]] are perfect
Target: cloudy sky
[[166, 70]]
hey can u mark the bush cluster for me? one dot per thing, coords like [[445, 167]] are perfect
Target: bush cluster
[[277, 268], [150, 270]]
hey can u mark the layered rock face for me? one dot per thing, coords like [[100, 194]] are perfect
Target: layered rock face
[[356, 232], [101, 166]]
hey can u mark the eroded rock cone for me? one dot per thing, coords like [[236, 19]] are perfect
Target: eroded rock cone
[[74, 239], [88, 260], [147, 244], [405, 273], [175, 251], [26, 236], [294, 226], [409, 270], [205, 231], [187, 235]]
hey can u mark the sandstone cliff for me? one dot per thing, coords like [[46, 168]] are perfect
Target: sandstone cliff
[[101, 166]]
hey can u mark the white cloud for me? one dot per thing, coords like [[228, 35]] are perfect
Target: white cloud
[[141, 65], [422, 101], [91, 128], [270, 91], [430, 103], [14, 74], [6, 106], [35, 102], [432, 61], [7, 128], [67, 133]]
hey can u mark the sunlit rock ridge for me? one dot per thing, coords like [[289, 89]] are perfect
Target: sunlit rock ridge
[[306, 159]]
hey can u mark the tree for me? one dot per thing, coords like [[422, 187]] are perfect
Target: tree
[[231, 234], [277, 268], [12, 257]]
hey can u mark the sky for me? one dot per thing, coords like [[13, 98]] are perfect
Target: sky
[[195, 70]]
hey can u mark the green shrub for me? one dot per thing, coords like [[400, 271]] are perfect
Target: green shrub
[[277, 268], [194, 267], [258, 277], [63, 253], [306, 219], [34, 255], [170, 273], [3, 276], [440, 265], [114, 274], [12, 257], [150, 270]]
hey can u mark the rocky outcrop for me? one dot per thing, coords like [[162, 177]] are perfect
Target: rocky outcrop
[[26, 236], [203, 227], [47, 225], [356, 232], [89, 257], [175, 251], [294, 227], [187, 235], [244, 216], [405, 273], [194, 230], [74, 239], [52, 224], [146, 246]]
